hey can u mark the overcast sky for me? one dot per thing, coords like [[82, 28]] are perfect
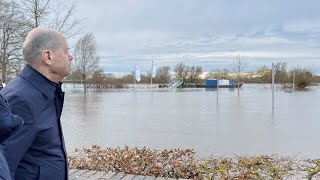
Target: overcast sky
[[209, 33]]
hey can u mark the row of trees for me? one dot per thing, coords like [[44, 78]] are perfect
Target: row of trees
[[191, 74], [99, 79], [18, 18], [187, 73], [302, 77]]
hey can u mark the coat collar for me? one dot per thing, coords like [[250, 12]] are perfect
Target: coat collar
[[40, 82]]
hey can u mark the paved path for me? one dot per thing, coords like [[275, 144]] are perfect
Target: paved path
[[76, 174]]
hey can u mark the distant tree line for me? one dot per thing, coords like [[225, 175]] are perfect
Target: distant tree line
[[301, 77], [99, 79], [191, 74]]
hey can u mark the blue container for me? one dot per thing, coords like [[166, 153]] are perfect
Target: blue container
[[211, 83]]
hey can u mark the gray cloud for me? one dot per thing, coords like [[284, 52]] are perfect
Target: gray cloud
[[207, 33]]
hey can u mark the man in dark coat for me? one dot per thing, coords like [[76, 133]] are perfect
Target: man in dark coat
[[37, 151], [9, 124]]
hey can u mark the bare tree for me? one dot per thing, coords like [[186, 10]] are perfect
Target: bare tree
[[65, 21], [12, 31], [303, 77], [239, 67], [181, 71], [53, 14], [86, 60], [17, 20], [97, 79], [163, 74], [281, 75], [194, 73], [36, 10]]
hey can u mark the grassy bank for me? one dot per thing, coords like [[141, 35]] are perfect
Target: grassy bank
[[183, 163]]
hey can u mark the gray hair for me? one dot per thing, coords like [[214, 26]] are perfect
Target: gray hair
[[40, 41]]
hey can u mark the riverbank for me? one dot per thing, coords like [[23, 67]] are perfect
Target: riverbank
[[183, 163]]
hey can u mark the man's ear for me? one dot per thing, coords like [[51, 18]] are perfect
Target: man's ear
[[46, 57]]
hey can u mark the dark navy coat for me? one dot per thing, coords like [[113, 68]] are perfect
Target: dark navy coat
[[9, 124], [37, 151]]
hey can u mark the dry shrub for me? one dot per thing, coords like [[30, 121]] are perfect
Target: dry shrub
[[178, 163], [175, 163], [311, 167], [264, 167], [216, 168]]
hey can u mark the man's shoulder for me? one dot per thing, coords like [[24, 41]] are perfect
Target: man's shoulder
[[20, 89], [17, 86], [22, 98]]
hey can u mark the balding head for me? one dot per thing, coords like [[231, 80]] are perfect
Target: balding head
[[38, 40]]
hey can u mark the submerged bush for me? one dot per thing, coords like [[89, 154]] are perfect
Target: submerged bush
[[303, 77]]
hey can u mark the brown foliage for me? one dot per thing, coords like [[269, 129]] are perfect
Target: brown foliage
[[168, 163], [179, 163]]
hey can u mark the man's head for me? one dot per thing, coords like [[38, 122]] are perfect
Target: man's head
[[46, 50]]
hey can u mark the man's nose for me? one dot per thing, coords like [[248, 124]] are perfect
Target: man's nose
[[70, 58]]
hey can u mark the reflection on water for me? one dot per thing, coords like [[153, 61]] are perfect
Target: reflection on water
[[202, 119]]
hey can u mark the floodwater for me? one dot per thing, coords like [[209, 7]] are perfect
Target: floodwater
[[210, 122]]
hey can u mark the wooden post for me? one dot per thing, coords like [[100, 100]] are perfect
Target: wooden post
[[273, 86]]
